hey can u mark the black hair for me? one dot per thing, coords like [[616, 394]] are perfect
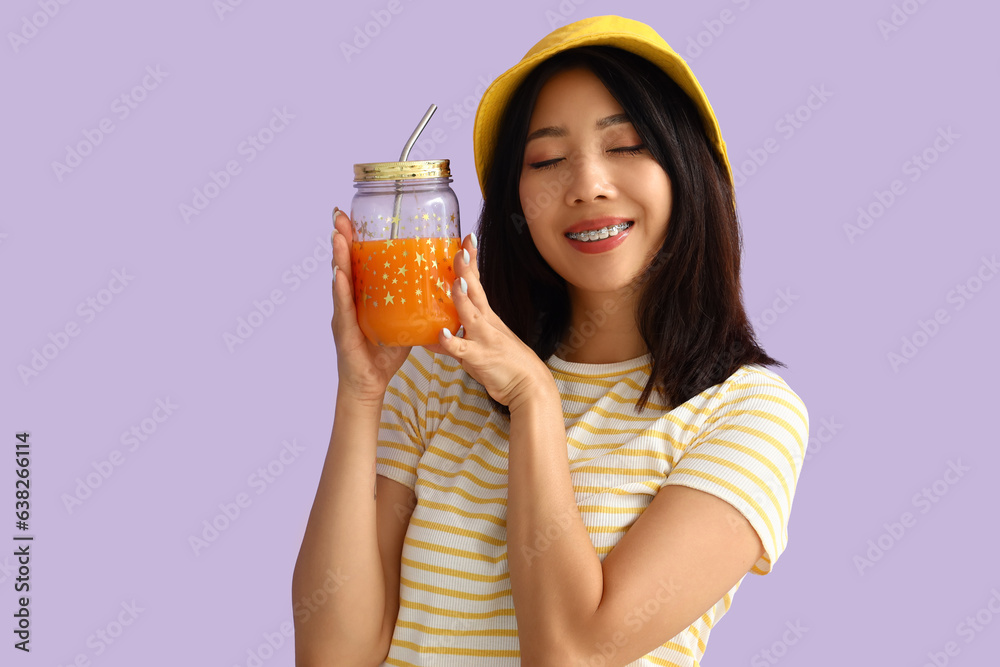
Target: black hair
[[689, 308]]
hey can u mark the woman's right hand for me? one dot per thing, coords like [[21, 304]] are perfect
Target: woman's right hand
[[364, 368]]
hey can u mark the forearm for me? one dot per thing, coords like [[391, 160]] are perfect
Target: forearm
[[340, 551], [556, 575]]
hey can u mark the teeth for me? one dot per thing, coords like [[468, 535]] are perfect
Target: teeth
[[599, 234]]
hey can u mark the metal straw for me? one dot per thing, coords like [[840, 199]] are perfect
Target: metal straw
[[402, 158]]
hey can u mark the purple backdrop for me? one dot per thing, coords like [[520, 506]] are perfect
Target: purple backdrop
[[169, 171]]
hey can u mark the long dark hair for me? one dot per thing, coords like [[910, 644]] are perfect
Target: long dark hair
[[689, 308]]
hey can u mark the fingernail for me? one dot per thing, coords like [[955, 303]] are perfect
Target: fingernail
[[335, 211], [475, 241], [447, 334], [334, 273], [465, 255], [464, 286]]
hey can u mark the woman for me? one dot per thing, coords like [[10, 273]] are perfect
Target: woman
[[586, 476]]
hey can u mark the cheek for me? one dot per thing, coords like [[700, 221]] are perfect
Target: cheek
[[535, 199], [653, 186]]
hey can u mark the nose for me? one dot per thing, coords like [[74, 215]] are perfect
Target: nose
[[590, 179]]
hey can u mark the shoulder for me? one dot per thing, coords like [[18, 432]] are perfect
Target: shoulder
[[424, 366], [758, 387], [436, 378], [756, 405]]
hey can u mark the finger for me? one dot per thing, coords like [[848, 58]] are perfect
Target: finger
[[452, 345], [472, 245], [343, 287], [342, 255], [470, 316], [464, 268], [342, 223], [343, 301]]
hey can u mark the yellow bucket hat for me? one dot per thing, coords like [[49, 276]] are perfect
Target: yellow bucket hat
[[617, 31]]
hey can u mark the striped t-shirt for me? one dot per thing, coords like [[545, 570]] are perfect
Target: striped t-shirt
[[742, 440]]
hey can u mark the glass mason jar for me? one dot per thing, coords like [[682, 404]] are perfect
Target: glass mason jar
[[406, 236]]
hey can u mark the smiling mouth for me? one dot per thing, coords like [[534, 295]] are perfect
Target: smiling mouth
[[602, 233]]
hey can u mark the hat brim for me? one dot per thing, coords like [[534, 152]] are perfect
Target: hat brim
[[598, 31]]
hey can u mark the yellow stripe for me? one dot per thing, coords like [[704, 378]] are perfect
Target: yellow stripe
[[793, 404], [449, 415], [603, 509], [469, 457], [462, 492], [450, 613], [623, 472], [651, 484], [451, 551], [769, 417], [746, 471], [556, 371], [605, 385], [597, 410], [406, 399], [463, 473], [632, 433], [629, 451], [447, 650], [680, 648], [399, 663], [617, 398], [403, 418], [750, 452], [766, 437], [449, 401], [453, 593], [454, 530], [396, 464], [504, 437], [489, 446], [461, 574], [499, 632], [406, 448], [662, 661], [607, 529], [463, 382], [444, 507]]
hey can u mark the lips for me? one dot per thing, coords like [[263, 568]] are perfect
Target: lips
[[594, 224]]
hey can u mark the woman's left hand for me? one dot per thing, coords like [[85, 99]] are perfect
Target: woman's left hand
[[489, 351]]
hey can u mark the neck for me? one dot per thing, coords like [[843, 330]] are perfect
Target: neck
[[602, 329]]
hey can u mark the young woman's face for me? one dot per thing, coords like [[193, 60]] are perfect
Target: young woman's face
[[584, 169]]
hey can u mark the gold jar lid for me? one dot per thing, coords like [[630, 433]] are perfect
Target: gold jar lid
[[395, 171]]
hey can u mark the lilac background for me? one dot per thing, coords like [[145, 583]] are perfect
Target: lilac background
[[896, 429]]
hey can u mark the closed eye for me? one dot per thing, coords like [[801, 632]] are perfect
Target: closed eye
[[626, 150]]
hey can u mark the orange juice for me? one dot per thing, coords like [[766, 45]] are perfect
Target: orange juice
[[402, 289]]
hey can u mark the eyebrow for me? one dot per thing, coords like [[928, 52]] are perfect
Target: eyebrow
[[553, 131]]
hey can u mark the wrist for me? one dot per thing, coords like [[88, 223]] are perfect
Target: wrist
[[351, 401], [534, 390]]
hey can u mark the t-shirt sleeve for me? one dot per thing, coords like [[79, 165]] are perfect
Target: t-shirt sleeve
[[402, 428], [750, 453]]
